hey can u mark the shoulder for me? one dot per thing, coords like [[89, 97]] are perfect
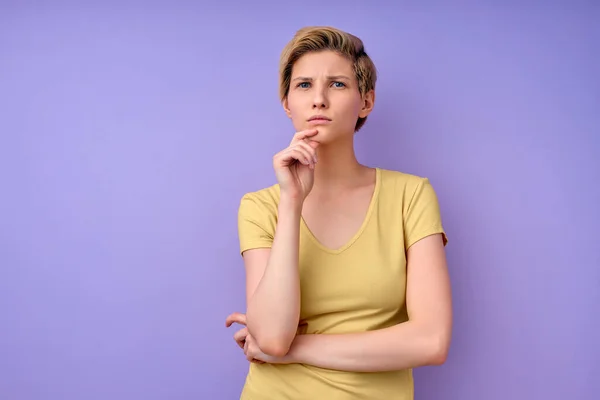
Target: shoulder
[[267, 196], [257, 218], [263, 201], [399, 177], [403, 186], [415, 198]]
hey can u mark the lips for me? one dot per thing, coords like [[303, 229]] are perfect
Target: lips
[[319, 118]]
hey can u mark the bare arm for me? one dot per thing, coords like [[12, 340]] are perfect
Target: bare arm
[[273, 284], [423, 340], [272, 276]]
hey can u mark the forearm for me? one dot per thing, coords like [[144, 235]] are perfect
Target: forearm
[[274, 309], [406, 345]]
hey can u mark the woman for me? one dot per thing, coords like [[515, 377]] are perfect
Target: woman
[[346, 278]]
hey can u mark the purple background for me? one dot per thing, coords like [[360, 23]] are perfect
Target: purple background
[[129, 134]]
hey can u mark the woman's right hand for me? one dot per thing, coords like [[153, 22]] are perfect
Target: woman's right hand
[[295, 165]]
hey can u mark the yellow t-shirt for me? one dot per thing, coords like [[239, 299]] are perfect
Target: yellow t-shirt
[[358, 287]]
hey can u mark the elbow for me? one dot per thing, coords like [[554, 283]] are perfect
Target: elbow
[[438, 349], [272, 341], [276, 344], [274, 347], [438, 357]]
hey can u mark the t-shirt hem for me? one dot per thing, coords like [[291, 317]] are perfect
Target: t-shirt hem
[[256, 245], [428, 232]]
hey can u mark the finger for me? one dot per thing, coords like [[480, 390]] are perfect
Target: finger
[[241, 334], [295, 153], [250, 354], [307, 153], [240, 337], [304, 134], [235, 317], [309, 149], [312, 143], [247, 353]]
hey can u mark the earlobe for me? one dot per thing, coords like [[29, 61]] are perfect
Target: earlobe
[[368, 104]]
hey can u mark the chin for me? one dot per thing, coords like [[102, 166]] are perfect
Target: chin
[[322, 135], [328, 135]]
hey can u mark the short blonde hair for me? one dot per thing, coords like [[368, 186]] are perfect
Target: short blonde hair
[[320, 38]]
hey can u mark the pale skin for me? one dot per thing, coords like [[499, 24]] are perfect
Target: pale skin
[[321, 180]]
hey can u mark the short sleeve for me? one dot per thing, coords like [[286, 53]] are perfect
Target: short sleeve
[[423, 217], [256, 223]]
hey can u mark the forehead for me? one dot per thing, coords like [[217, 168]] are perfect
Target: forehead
[[320, 63]]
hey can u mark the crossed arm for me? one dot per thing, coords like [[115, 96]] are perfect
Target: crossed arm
[[423, 340]]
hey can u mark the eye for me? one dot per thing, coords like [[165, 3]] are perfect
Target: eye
[[303, 85], [339, 84]]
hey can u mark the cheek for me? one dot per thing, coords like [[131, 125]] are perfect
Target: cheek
[[295, 114], [292, 107], [352, 108]]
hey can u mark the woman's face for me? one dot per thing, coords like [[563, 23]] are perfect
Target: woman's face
[[324, 94]]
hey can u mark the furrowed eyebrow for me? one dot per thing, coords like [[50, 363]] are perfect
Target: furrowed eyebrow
[[338, 77], [334, 77]]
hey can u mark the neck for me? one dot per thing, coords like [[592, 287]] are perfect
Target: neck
[[337, 166]]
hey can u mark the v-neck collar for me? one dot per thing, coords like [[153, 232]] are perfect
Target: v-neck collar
[[354, 238]]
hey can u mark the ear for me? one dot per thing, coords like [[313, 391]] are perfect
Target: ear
[[368, 101], [286, 107]]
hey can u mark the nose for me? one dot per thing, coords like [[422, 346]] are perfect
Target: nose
[[320, 99]]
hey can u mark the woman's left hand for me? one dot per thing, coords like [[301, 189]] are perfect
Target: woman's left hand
[[243, 338], [253, 352]]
